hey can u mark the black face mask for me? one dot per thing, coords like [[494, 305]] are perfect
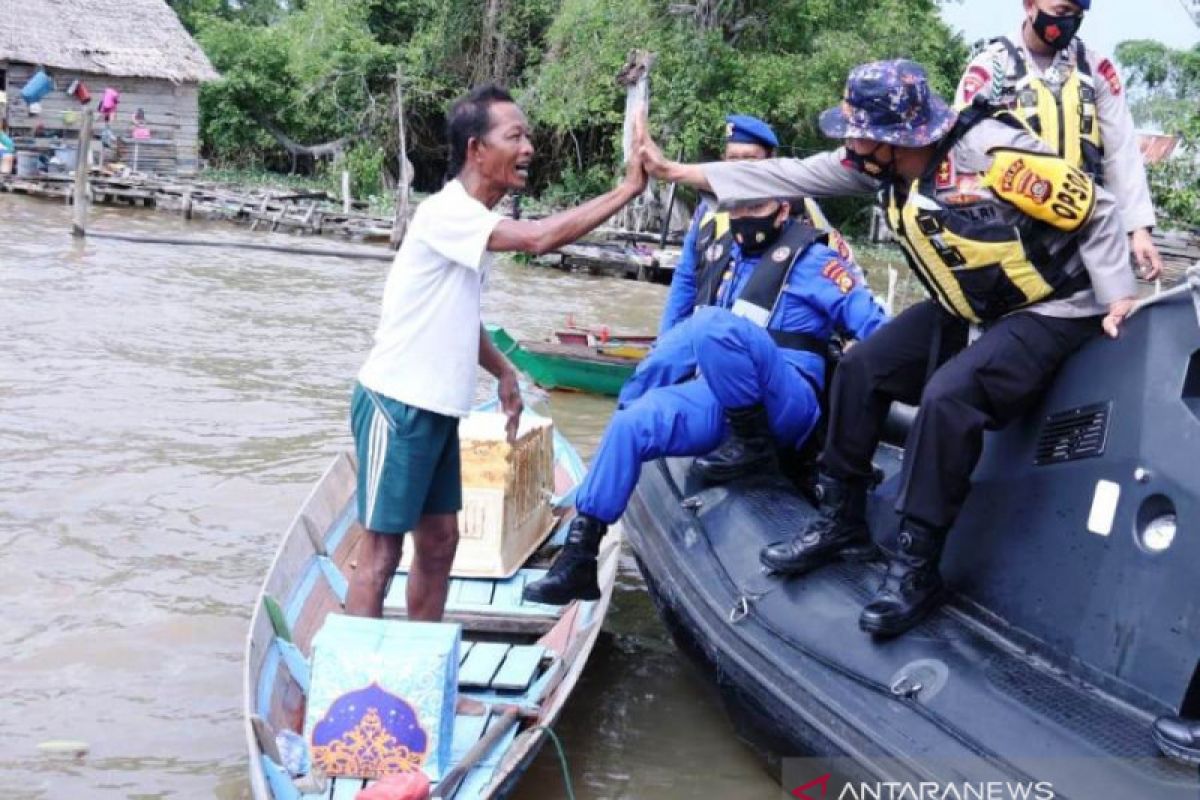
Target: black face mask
[[754, 234], [1056, 32], [869, 165]]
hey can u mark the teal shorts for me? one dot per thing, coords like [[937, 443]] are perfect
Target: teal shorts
[[408, 462]]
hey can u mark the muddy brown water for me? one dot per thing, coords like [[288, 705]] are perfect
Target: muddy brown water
[[163, 412]]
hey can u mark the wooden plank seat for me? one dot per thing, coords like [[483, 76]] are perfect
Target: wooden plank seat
[[479, 596], [499, 667]]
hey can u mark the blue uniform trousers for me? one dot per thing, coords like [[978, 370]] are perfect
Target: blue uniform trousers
[[740, 365]]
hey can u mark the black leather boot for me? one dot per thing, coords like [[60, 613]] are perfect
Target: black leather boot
[[1179, 738], [572, 576], [912, 587], [839, 532], [748, 450]]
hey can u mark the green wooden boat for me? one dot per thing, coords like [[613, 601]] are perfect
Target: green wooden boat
[[572, 367]]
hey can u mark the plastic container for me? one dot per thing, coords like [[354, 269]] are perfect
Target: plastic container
[[67, 156], [28, 164], [109, 101], [38, 87], [80, 91]]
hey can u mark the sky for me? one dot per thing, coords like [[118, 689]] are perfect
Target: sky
[[1106, 25]]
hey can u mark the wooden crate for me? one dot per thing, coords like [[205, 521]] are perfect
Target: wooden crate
[[506, 495]]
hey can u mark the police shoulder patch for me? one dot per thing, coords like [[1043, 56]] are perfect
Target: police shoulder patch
[[1108, 71], [1042, 186], [841, 277], [973, 82]]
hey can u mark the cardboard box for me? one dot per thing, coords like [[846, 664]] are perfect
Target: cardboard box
[[506, 495]]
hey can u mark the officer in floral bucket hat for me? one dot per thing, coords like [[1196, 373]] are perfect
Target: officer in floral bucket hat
[[1024, 258]]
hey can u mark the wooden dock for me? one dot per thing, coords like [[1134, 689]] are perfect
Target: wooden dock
[[1180, 251], [611, 252], [615, 259], [312, 213]]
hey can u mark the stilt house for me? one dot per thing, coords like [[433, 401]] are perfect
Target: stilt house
[[138, 48]]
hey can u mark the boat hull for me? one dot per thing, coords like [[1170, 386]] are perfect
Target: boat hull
[[566, 367], [992, 700], [308, 580]]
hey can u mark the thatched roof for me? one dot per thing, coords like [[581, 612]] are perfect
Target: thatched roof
[[141, 38]]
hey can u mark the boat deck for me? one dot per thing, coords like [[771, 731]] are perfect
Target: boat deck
[[793, 647]]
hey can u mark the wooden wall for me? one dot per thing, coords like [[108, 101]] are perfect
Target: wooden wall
[[172, 115]]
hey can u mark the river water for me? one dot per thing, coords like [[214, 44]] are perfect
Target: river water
[[163, 412]]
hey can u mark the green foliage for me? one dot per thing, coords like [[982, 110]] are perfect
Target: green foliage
[[1164, 84], [324, 69], [250, 60], [1175, 185], [365, 163], [317, 75], [784, 61]]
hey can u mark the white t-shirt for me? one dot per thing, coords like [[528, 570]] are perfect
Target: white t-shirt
[[427, 343]]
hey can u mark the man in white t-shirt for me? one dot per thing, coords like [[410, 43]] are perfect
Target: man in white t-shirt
[[419, 378]]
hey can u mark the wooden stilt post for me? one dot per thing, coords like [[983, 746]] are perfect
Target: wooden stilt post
[[346, 191], [82, 165], [400, 221]]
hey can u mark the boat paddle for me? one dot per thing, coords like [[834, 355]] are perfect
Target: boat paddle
[[449, 784]]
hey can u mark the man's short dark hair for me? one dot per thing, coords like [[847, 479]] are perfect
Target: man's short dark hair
[[470, 118]]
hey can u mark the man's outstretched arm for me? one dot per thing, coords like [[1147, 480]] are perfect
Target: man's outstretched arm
[[543, 235]]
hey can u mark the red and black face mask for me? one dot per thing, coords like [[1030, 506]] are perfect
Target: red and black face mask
[[1056, 32]]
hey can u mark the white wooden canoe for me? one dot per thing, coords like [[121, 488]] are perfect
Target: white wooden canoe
[[533, 657]]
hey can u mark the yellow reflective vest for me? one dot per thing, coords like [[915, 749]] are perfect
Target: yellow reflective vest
[[976, 257], [1063, 115]]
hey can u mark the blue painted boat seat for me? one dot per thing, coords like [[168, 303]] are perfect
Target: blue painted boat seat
[[482, 596]]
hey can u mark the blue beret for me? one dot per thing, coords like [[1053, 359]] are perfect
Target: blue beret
[[749, 130]]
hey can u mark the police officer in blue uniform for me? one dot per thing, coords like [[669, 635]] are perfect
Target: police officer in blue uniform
[[748, 366], [746, 139]]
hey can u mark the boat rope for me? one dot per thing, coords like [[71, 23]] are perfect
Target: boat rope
[[562, 758]]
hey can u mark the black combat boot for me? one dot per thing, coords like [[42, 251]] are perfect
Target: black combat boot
[[1178, 737], [839, 532], [748, 450], [572, 576], [912, 587]]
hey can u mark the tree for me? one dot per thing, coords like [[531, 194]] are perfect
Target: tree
[[322, 70], [1165, 84]]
